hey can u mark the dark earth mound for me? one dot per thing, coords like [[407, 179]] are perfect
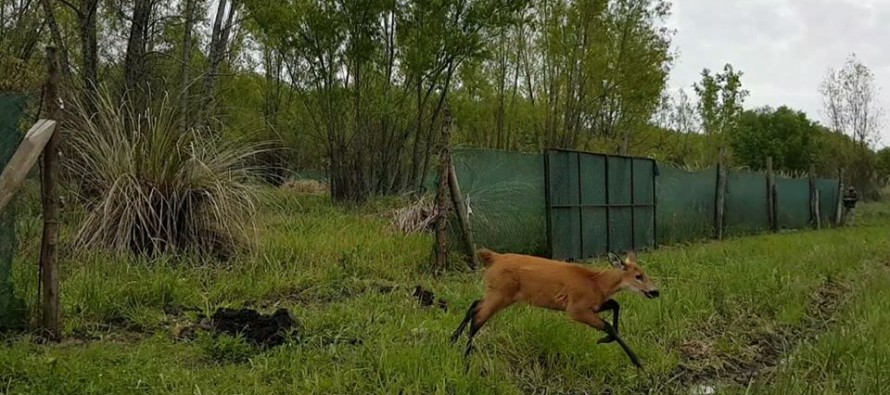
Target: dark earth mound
[[259, 329]]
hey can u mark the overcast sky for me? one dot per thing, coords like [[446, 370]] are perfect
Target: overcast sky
[[784, 47]]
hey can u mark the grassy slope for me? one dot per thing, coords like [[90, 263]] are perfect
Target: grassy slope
[[326, 265]]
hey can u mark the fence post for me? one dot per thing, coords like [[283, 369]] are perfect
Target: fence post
[[770, 193], [720, 214], [462, 216], [839, 210], [442, 193], [49, 267], [814, 198]]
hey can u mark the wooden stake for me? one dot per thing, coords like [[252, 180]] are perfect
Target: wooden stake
[[814, 212], [462, 216], [818, 209], [720, 213], [442, 192], [770, 194], [49, 269], [24, 159], [839, 210]]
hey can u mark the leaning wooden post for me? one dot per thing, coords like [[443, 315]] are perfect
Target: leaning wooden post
[[462, 216], [839, 210], [720, 213], [814, 198], [49, 269], [770, 194], [442, 192]]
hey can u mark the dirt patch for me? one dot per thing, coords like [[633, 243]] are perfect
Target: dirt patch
[[752, 353], [427, 298], [263, 330]]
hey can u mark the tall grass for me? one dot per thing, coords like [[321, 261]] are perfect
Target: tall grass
[[151, 187]]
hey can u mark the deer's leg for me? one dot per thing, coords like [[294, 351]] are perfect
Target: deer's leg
[[610, 304], [467, 317], [485, 310], [587, 316]]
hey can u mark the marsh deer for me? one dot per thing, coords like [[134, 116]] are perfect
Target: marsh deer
[[580, 291]]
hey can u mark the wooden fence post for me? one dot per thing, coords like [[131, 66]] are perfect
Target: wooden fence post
[[49, 269], [770, 194], [814, 198], [442, 192], [462, 216], [839, 210], [720, 213]]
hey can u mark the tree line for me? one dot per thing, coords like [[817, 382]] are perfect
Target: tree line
[[357, 88]]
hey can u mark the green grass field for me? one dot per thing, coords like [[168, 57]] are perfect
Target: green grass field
[[791, 313]]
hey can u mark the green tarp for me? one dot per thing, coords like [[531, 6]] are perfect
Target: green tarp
[[11, 308]]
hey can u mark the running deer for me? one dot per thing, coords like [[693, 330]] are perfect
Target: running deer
[[580, 291]]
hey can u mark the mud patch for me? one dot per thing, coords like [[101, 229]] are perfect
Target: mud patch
[[262, 330], [747, 349], [427, 298]]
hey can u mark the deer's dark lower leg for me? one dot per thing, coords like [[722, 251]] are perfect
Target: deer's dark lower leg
[[611, 332], [610, 304], [467, 318]]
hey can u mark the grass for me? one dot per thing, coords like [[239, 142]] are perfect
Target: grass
[[721, 302]]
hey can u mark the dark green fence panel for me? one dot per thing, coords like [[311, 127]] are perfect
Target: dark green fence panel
[[747, 207], [599, 203], [792, 202], [828, 195], [11, 308], [505, 192], [686, 199]]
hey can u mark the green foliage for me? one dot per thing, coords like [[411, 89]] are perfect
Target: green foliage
[[720, 106], [788, 136], [152, 187]]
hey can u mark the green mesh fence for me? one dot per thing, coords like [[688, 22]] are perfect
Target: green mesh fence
[[828, 195], [11, 308], [685, 206], [792, 203], [505, 193], [747, 204]]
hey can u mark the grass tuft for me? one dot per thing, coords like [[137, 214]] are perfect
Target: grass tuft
[[151, 187]]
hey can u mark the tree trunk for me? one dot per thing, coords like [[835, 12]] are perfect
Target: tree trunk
[[134, 63], [219, 39], [89, 50], [442, 195], [186, 61]]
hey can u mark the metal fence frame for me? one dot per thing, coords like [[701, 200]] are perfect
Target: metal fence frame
[[607, 206]]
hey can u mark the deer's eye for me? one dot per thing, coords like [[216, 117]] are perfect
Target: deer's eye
[[639, 277]]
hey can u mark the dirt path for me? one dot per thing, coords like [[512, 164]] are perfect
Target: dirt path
[[760, 346]]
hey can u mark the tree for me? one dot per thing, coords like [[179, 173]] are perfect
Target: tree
[[720, 106], [850, 101], [219, 45], [135, 61], [786, 135]]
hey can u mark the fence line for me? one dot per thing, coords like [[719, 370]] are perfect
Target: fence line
[[506, 193]]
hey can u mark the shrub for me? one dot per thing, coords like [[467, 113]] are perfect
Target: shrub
[[151, 187]]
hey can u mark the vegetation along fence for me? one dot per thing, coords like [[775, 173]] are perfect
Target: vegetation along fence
[[576, 205]]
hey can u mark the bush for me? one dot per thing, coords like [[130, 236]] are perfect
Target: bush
[[151, 187]]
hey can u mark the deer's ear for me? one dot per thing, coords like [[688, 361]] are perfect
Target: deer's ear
[[631, 257], [616, 261]]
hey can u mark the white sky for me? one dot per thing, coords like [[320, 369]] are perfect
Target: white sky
[[784, 47]]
